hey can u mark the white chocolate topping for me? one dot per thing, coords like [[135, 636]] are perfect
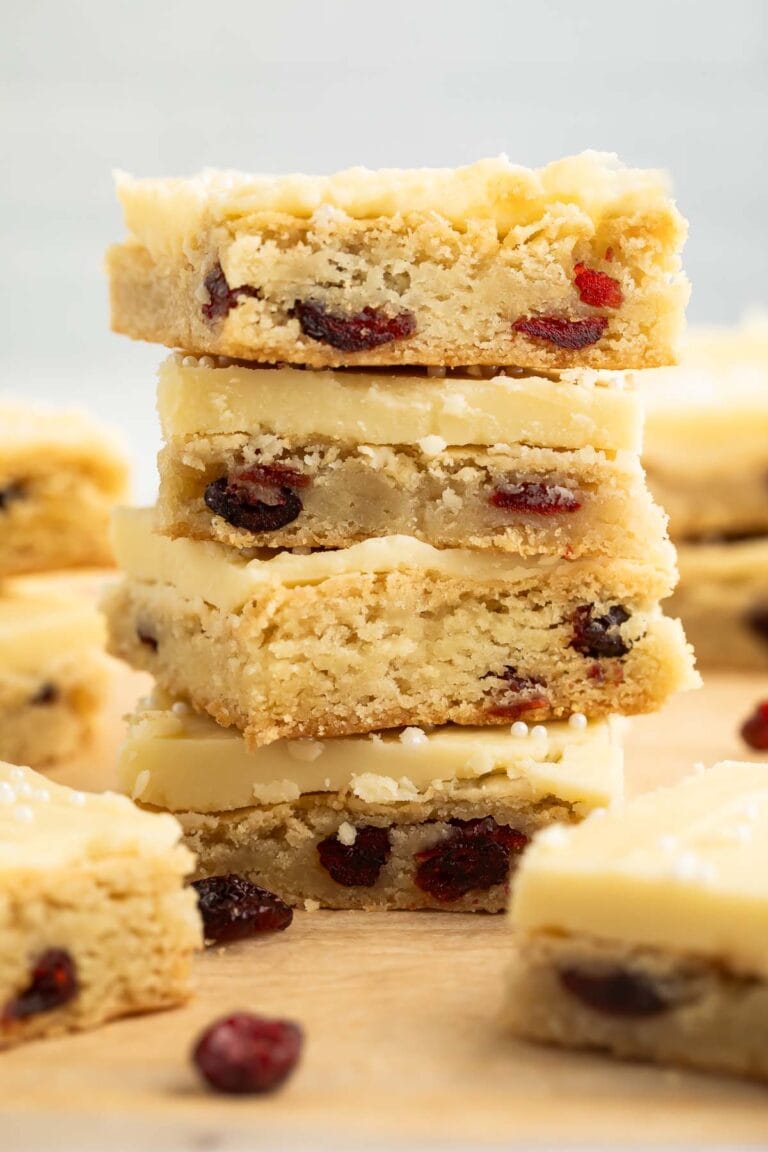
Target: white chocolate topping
[[579, 410], [189, 763], [681, 868], [35, 628], [166, 215], [45, 826], [228, 580]]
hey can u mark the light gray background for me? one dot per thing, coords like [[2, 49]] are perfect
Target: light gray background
[[168, 88]]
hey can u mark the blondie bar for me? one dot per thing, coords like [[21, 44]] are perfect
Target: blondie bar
[[644, 932], [390, 632], [94, 920], [706, 442], [526, 465], [722, 599], [575, 264], [53, 675], [398, 819], [60, 475]]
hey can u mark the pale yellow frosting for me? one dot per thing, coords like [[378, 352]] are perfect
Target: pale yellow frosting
[[34, 628], [166, 215], [45, 826], [180, 761], [228, 580], [581, 409], [682, 868]]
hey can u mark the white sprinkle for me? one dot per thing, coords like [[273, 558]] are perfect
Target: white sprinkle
[[346, 834], [207, 362], [24, 789], [578, 721], [669, 843], [7, 794], [41, 794], [519, 729], [77, 799], [538, 732], [699, 767], [305, 750], [140, 784], [16, 773], [554, 836], [189, 361], [432, 445], [413, 737], [180, 708], [24, 814], [598, 813]]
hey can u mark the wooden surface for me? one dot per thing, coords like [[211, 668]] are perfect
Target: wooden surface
[[401, 1015]]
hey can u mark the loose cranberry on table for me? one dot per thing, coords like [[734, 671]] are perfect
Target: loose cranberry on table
[[754, 730], [245, 1054], [233, 908]]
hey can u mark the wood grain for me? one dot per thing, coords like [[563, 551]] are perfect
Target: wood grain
[[402, 1018]]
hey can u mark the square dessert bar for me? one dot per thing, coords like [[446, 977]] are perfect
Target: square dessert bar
[[390, 632], [706, 441], [398, 819], [60, 475], [644, 932], [722, 600], [94, 919], [54, 674], [278, 457], [575, 264]]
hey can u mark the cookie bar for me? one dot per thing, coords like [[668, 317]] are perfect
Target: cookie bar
[[706, 443], [644, 932], [94, 920], [53, 675], [572, 265], [722, 600], [526, 465], [390, 632], [60, 475], [399, 819]]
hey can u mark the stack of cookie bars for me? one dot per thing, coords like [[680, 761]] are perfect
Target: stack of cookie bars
[[392, 593], [60, 475]]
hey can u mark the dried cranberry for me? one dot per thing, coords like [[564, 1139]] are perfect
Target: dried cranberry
[[597, 288], [367, 329], [756, 620], [571, 334], [608, 254], [599, 636], [615, 992], [247, 1054], [519, 694], [147, 637], [10, 494], [232, 908], [536, 498], [52, 983], [356, 865], [260, 499], [47, 693], [221, 298], [754, 730], [472, 858]]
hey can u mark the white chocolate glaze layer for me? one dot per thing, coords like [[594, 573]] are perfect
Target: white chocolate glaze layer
[[36, 627], [180, 761], [681, 868], [581, 409]]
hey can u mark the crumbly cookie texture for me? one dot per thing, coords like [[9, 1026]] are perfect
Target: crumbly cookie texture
[[706, 442], [405, 819], [575, 264], [240, 468], [388, 633], [722, 600], [95, 920], [60, 475], [645, 931], [54, 675]]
